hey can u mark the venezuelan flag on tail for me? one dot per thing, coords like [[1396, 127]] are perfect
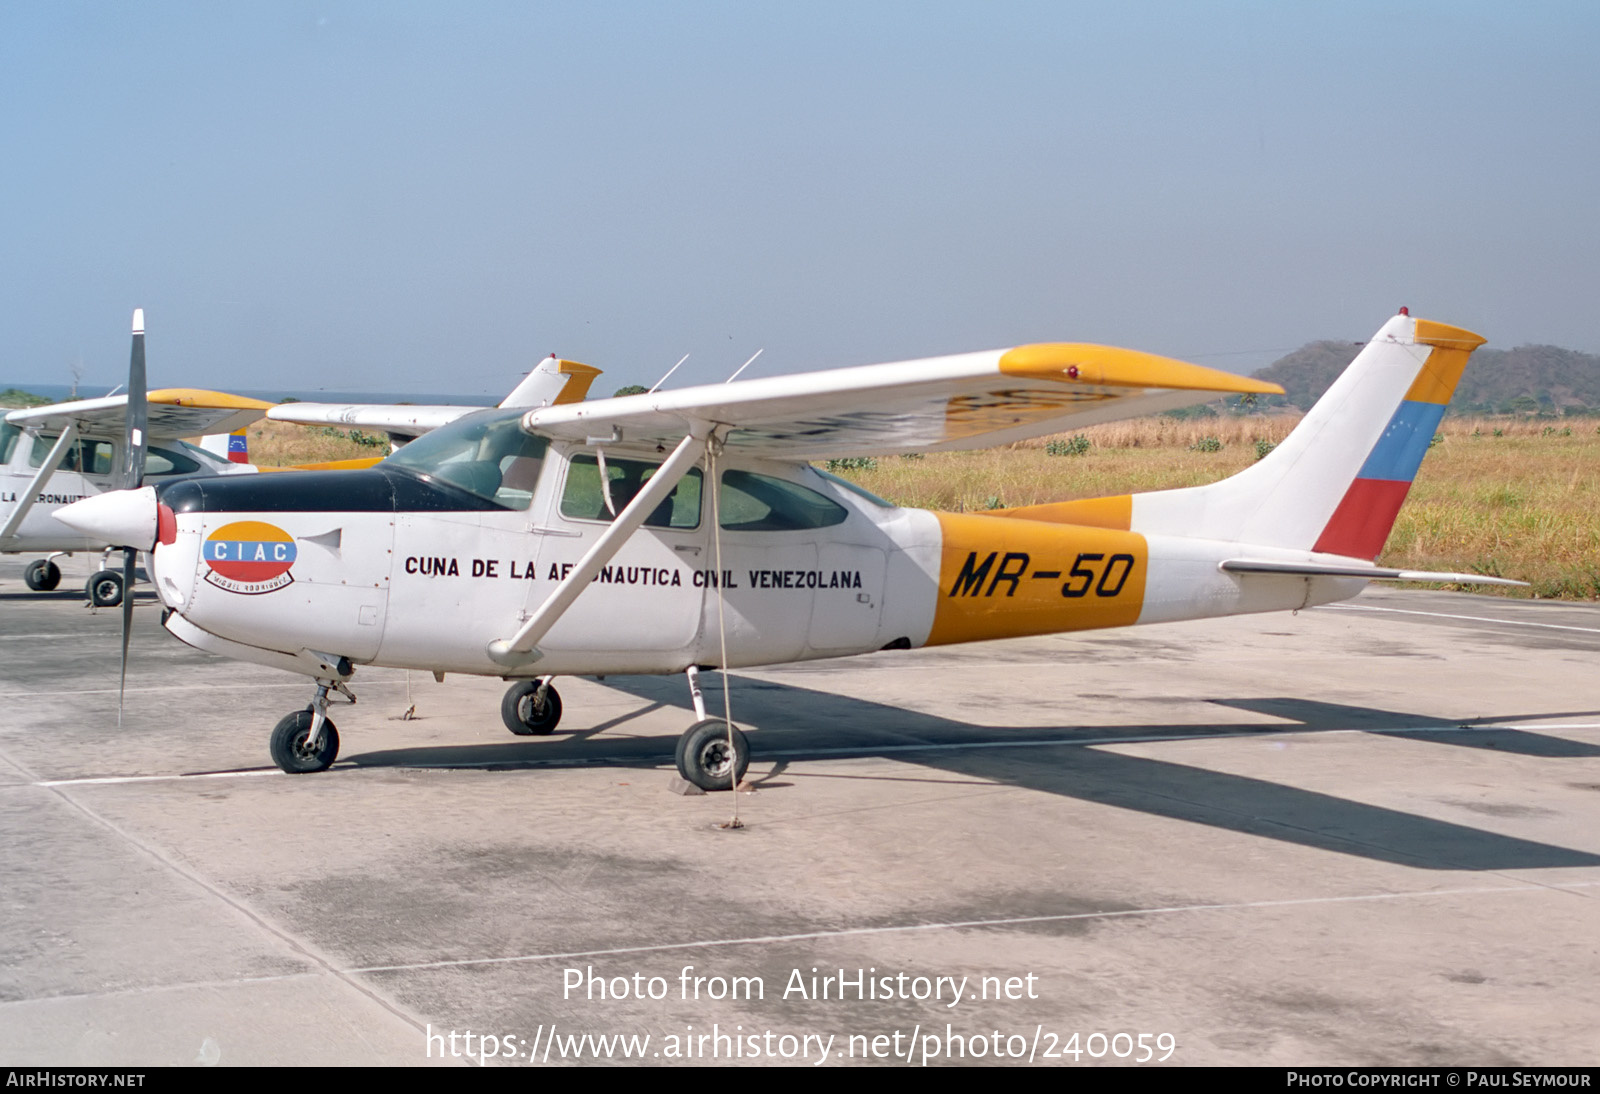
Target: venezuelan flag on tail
[[234, 447], [1361, 523]]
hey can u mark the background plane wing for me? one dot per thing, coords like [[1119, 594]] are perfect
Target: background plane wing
[[174, 412], [971, 400], [407, 421], [553, 381]]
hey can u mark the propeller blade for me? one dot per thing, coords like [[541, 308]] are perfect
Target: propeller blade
[[137, 426], [129, 556], [137, 419]]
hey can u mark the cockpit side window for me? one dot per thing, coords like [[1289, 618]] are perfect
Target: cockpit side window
[[584, 499], [8, 441], [761, 503]]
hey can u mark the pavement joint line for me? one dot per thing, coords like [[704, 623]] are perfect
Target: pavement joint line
[[293, 943], [846, 932], [791, 753], [1448, 615]]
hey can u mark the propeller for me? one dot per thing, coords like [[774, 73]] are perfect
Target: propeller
[[130, 476]]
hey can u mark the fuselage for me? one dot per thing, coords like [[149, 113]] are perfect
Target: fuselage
[[424, 566]]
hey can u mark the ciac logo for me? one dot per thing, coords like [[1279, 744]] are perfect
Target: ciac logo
[[249, 556]]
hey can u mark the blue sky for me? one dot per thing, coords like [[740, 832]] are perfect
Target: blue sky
[[425, 198]]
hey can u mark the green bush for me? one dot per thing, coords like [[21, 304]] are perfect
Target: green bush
[[1076, 445]]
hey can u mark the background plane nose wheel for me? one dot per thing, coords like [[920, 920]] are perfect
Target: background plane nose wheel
[[42, 575], [524, 715], [705, 760], [291, 750], [105, 589]]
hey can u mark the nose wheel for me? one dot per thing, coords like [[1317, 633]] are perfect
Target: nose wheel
[[294, 750], [105, 589], [306, 740], [711, 757]]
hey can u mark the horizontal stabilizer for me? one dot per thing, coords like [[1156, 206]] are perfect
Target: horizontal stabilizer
[[1356, 569], [404, 420]]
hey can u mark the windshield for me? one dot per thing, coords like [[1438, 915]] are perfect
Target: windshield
[[485, 453]]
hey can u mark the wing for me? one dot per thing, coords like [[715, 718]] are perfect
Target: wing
[[972, 400], [407, 421], [174, 412]]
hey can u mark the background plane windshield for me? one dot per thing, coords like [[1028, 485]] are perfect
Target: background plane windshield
[[485, 454]]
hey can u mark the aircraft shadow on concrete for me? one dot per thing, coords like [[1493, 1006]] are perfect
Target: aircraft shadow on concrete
[[832, 724]]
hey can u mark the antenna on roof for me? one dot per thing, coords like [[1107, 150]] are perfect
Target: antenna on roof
[[670, 371], [746, 365]]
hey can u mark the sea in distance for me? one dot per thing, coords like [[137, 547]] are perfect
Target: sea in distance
[[57, 393]]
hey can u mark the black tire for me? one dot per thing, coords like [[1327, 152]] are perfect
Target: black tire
[[105, 589], [516, 710], [288, 745], [42, 575], [703, 758]]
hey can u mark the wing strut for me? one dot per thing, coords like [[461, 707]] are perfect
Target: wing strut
[[51, 463], [521, 648]]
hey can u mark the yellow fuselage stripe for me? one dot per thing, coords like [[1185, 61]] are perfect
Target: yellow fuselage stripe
[[1003, 577]]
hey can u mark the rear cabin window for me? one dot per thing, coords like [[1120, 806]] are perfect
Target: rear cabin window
[[761, 503], [584, 499], [164, 461]]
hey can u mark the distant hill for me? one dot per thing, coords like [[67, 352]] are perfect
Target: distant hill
[[1527, 379]]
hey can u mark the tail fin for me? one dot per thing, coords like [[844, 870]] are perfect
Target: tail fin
[[553, 382], [234, 447], [1336, 483]]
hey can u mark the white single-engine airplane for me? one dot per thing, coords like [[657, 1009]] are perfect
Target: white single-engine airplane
[[672, 531]]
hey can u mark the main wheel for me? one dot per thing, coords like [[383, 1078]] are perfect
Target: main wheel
[[705, 759], [105, 589], [290, 748], [518, 713], [42, 575]]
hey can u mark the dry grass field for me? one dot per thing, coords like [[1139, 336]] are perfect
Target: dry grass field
[[1516, 498], [279, 444]]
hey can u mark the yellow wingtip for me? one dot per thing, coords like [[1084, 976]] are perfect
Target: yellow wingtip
[[212, 400], [1110, 366]]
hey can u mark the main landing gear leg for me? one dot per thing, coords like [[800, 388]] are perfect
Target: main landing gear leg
[[710, 754], [693, 673], [307, 740]]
